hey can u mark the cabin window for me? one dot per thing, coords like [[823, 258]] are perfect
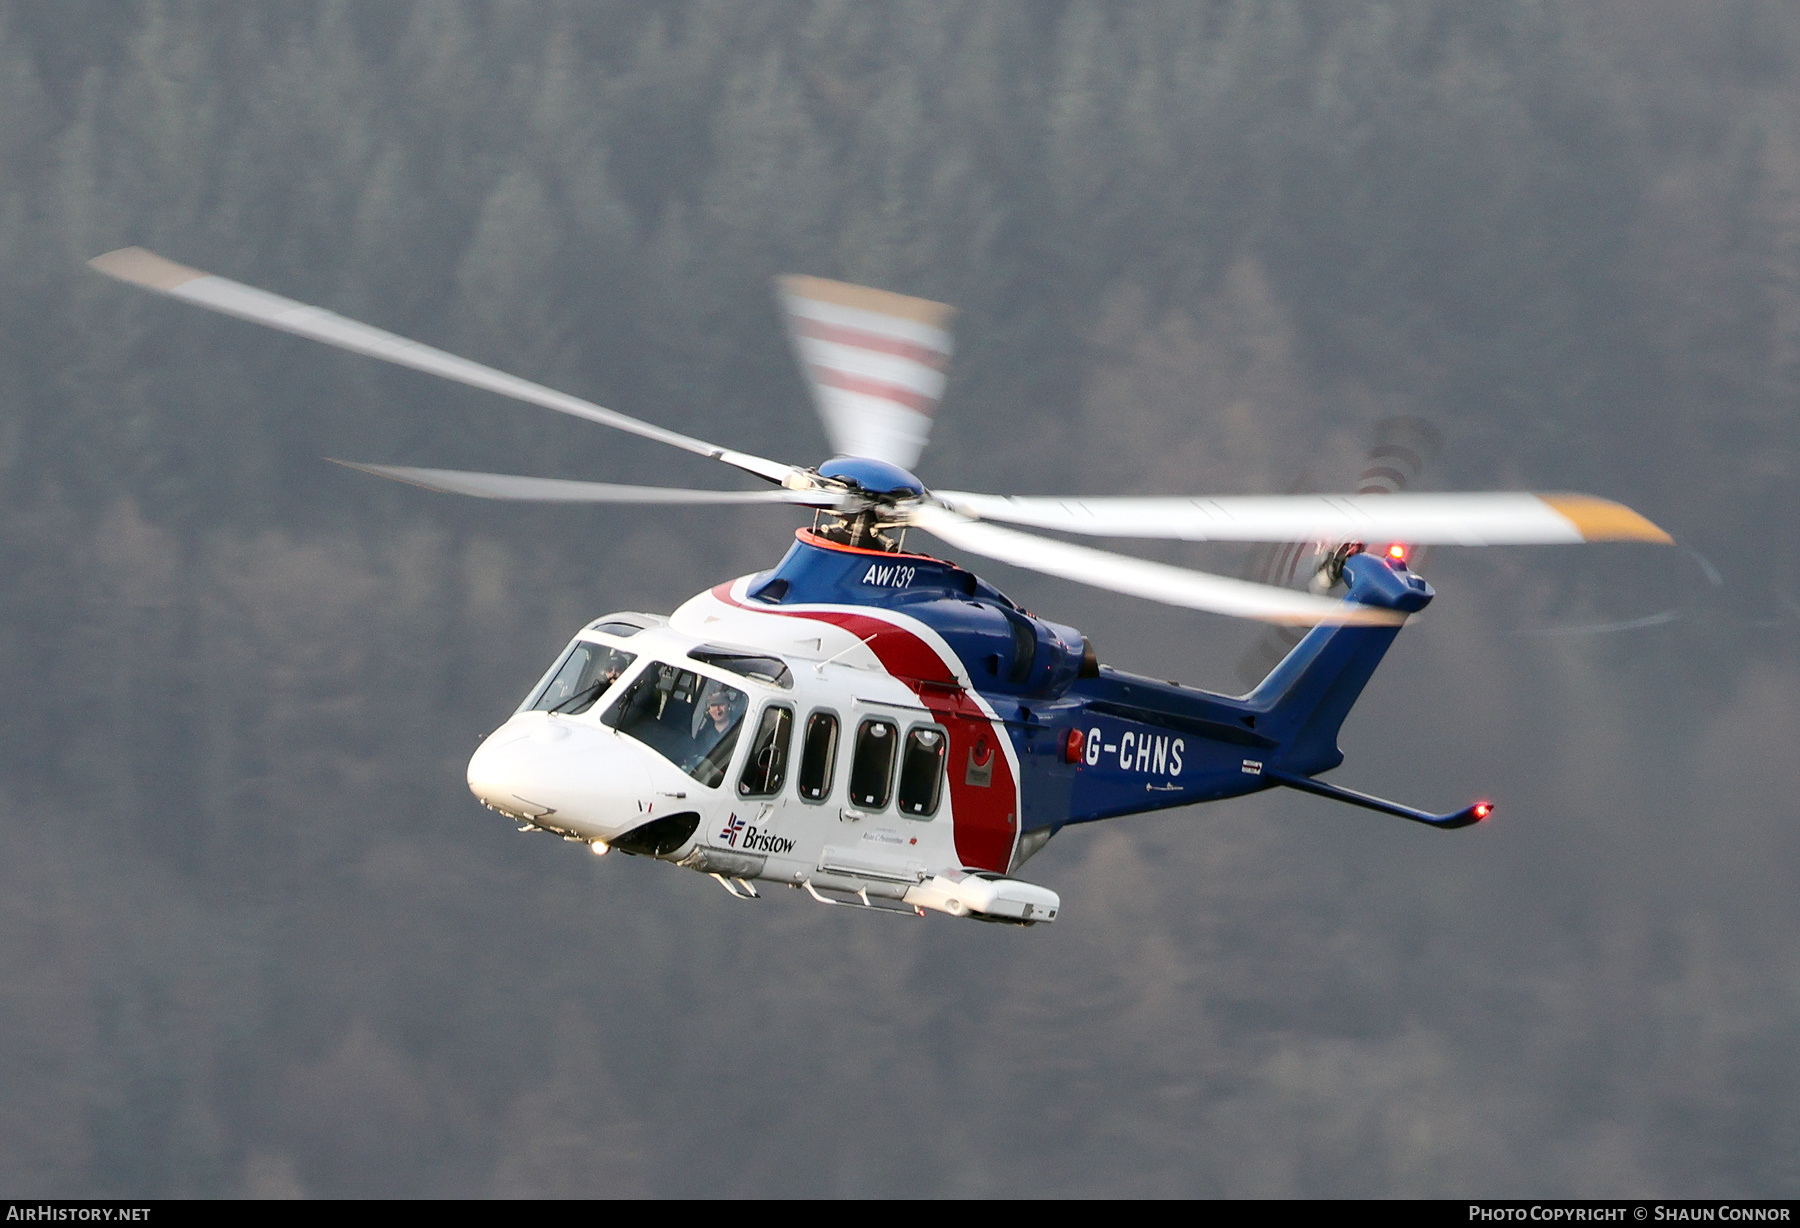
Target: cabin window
[[872, 771], [922, 771], [584, 674], [766, 769], [690, 720], [818, 756]]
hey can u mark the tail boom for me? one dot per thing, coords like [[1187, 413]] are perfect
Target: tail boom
[[1134, 744]]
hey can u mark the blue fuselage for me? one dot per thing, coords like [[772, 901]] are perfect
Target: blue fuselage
[[1094, 742]]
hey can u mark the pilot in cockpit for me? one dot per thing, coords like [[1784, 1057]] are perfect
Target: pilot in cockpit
[[715, 728], [717, 717]]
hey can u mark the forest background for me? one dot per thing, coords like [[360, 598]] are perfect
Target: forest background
[[255, 936]]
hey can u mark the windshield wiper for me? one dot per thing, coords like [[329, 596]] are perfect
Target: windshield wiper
[[584, 697]]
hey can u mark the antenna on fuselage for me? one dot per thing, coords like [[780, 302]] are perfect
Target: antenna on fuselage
[[819, 667]]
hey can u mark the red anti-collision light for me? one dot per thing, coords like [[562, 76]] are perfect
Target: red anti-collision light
[[1397, 552], [1072, 746]]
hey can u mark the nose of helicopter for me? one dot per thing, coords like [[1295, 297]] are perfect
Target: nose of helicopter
[[561, 774]]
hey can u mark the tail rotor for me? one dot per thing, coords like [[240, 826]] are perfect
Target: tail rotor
[[1402, 447]]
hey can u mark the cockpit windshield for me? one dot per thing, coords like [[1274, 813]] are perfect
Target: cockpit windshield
[[688, 719], [584, 674]]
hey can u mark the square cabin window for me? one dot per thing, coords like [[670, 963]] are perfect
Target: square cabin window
[[922, 771], [766, 769], [818, 756], [872, 770]]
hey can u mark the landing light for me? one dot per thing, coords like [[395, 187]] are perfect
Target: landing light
[[599, 847]]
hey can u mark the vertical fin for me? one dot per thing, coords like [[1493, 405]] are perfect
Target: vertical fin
[[1304, 700]]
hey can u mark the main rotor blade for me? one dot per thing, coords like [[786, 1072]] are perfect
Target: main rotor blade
[[1486, 519], [562, 490], [152, 272], [1196, 590], [875, 361]]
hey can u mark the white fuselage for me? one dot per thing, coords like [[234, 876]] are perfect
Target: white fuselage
[[803, 813]]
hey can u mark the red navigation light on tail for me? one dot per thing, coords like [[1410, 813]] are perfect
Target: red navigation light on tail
[[1483, 809]]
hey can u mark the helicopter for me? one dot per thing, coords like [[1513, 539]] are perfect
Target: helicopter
[[884, 729]]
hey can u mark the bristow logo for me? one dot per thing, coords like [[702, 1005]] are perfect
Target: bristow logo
[[763, 842], [892, 575], [755, 839]]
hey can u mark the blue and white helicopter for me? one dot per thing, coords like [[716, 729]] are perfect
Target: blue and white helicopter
[[884, 729]]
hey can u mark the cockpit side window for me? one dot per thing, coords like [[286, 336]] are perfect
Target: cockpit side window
[[766, 769], [818, 756], [872, 770], [690, 720], [922, 772], [584, 674]]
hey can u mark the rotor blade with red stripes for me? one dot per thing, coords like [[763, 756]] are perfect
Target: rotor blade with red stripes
[[875, 361]]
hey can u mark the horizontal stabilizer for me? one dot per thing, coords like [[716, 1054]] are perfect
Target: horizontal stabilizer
[[1466, 817]]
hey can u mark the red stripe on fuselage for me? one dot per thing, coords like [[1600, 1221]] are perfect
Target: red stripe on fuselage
[[985, 821]]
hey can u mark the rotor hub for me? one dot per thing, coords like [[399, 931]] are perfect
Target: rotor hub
[[873, 477]]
